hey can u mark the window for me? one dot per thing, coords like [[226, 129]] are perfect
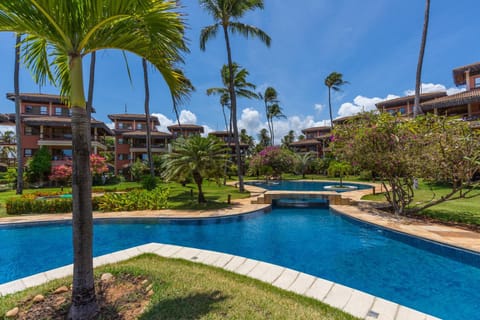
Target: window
[[477, 82], [44, 110], [32, 131], [27, 152], [121, 141], [28, 109], [123, 156], [401, 110], [140, 126]]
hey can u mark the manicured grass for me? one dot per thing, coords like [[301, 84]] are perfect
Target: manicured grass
[[186, 290], [465, 211]]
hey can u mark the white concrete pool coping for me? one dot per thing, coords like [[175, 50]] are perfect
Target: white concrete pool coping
[[352, 301]]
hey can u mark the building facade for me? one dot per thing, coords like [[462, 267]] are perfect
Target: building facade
[[45, 120], [316, 140]]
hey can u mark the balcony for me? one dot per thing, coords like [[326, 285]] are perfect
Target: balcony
[[65, 140]]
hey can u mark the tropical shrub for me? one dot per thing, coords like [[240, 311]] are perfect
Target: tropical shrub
[[135, 200], [272, 161], [149, 182], [39, 166], [30, 203]]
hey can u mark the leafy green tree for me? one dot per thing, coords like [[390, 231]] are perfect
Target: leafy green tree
[[263, 139], [197, 157], [138, 169], [334, 81], [226, 14], [272, 160], [339, 168], [71, 30], [38, 168], [437, 149], [247, 139]]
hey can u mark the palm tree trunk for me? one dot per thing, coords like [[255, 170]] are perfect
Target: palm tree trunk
[[416, 105], [18, 124], [228, 141], [91, 84], [84, 305], [199, 180], [233, 101], [330, 106], [147, 115]]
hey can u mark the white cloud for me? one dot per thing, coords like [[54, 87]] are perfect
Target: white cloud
[[186, 116], [431, 87], [360, 104], [250, 120], [319, 107]]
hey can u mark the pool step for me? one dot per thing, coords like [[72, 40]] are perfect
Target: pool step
[[332, 197]]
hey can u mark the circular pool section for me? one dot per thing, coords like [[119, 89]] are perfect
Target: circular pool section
[[432, 278]]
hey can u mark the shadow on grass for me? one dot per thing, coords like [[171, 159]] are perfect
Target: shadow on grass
[[193, 306]]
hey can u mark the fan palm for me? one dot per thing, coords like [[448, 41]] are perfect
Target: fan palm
[[334, 81], [418, 78], [58, 35], [197, 157], [226, 14]]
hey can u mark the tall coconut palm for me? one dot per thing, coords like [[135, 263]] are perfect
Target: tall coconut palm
[[18, 126], [226, 14], [152, 29], [418, 78], [147, 117], [197, 157], [242, 87], [269, 97], [334, 81], [274, 111]]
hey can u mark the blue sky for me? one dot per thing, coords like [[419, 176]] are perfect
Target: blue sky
[[374, 43]]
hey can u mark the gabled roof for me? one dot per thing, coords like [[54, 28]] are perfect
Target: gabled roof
[[459, 73], [315, 129], [37, 97], [409, 99], [177, 127], [458, 99], [133, 116]]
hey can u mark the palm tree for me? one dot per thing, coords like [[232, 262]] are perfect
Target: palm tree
[[270, 96], [263, 139], [147, 117], [248, 140], [288, 139], [303, 160], [242, 87], [416, 104], [226, 14], [274, 111], [196, 156], [149, 28], [18, 127], [334, 81]]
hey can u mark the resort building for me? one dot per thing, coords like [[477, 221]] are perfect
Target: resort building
[[45, 120], [131, 139], [316, 140], [465, 105], [185, 130], [229, 141], [404, 105]]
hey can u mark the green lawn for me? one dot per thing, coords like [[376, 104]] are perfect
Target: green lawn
[[181, 197], [465, 211], [186, 290]]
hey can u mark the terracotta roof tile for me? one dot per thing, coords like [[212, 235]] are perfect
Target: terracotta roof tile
[[410, 99], [452, 100]]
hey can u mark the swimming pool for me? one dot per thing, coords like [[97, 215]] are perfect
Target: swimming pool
[[305, 185], [425, 276]]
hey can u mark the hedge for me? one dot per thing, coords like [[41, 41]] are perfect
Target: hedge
[[28, 204]]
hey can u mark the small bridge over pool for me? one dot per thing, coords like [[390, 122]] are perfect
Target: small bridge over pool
[[332, 198]]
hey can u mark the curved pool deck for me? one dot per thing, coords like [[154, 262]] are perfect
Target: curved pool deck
[[352, 301]]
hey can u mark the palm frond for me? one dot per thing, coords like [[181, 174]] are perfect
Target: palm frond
[[249, 31]]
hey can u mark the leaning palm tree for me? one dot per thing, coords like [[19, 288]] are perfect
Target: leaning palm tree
[[226, 14], [197, 157], [18, 126], [58, 36], [334, 81], [416, 104], [147, 118], [274, 111]]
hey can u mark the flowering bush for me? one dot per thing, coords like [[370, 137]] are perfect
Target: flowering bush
[[272, 160]]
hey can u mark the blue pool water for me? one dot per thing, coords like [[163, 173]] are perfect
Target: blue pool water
[[428, 277], [304, 185]]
